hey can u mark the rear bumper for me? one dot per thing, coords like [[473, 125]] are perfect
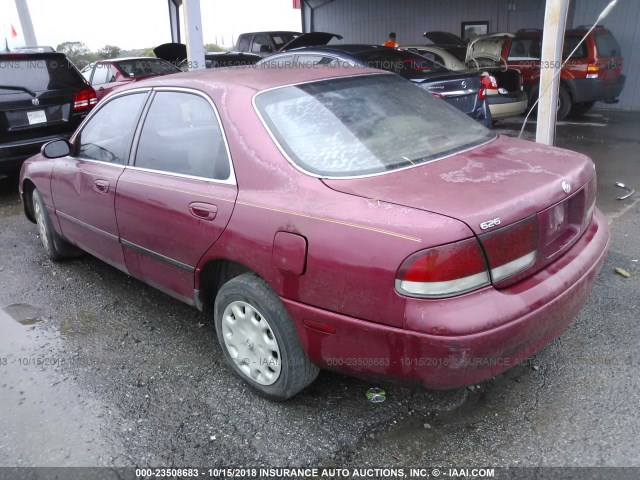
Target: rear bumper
[[503, 106], [595, 90], [12, 154], [528, 316]]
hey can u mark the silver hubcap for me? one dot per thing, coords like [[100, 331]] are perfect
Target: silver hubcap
[[41, 227], [251, 342]]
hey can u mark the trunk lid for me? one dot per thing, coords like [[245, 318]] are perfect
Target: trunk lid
[[458, 89], [171, 52], [312, 39], [444, 38], [494, 186], [487, 47]]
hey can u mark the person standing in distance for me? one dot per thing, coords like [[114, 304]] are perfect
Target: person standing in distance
[[391, 41]]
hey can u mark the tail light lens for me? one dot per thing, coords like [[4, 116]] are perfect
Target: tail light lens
[[593, 70], [443, 271], [84, 99], [482, 93], [512, 249], [489, 82]]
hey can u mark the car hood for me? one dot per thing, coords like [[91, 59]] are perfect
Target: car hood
[[506, 178], [444, 38], [171, 52], [312, 39], [488, 46]]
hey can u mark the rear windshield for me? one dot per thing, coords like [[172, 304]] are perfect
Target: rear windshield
[[146, 66], [365, 125], [406, 64], [606, 45], [281, 39], [38, 74]]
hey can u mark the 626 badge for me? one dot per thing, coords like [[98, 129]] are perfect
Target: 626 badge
[[490, 223]]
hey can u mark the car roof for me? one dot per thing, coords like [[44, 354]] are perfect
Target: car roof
[[252, 77]]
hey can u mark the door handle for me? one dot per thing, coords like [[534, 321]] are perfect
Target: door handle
[[205, 211], [101, 186]]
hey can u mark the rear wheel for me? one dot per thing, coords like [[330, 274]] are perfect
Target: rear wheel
[[259, 340], [54, 245], [579, 109], [564, 103]]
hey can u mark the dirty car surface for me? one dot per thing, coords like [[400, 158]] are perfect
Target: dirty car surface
[[328, 218]]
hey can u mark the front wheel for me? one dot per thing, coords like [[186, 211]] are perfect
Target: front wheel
[[54, 245], [259, 340]]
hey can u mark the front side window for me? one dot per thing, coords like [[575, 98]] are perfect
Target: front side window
[[181, 134], [108, 133], [365, 125]]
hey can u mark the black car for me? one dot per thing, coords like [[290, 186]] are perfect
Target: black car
[[42, 97], [176, 54], [462, 90]]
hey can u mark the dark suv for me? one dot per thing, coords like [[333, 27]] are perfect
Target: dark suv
[[593, 74], [42, 97]]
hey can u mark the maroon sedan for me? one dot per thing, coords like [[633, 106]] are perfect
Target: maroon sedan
[[107, 75], [342, 219]]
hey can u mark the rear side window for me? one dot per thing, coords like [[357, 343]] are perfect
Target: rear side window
[[570, 43], [38, 73], [107, 135], [606, 45], [181, 134], [104, 73], [260, 41], [243, 43]]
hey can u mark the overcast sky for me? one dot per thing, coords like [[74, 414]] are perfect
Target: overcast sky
[[132, 24]]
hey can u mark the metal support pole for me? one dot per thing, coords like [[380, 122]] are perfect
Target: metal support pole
[[26, 24], [193, 28], [555, 19], [174, 20]]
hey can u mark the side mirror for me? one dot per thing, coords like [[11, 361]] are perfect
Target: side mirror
[[265, 49], [56, 148]]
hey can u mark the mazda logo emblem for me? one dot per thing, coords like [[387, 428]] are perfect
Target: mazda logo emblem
[[35, 101]]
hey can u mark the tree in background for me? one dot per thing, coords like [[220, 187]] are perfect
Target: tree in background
[[212, 47], [77, 52], [109, 51]]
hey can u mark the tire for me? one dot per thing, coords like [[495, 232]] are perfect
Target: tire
[[579, 109], [564, 103], [55, 246], [259, 340]]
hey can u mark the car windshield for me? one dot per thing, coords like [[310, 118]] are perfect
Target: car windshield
[[36, 74], [146, 66], [365, 125], [406, 64]]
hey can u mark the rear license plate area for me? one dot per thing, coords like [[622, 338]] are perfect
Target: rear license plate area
[[36, 116]]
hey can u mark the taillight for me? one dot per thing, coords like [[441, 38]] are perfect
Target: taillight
[[482, 93], [84, 99], [512, 249], [443, 271], [593, 70], [489, 82]]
